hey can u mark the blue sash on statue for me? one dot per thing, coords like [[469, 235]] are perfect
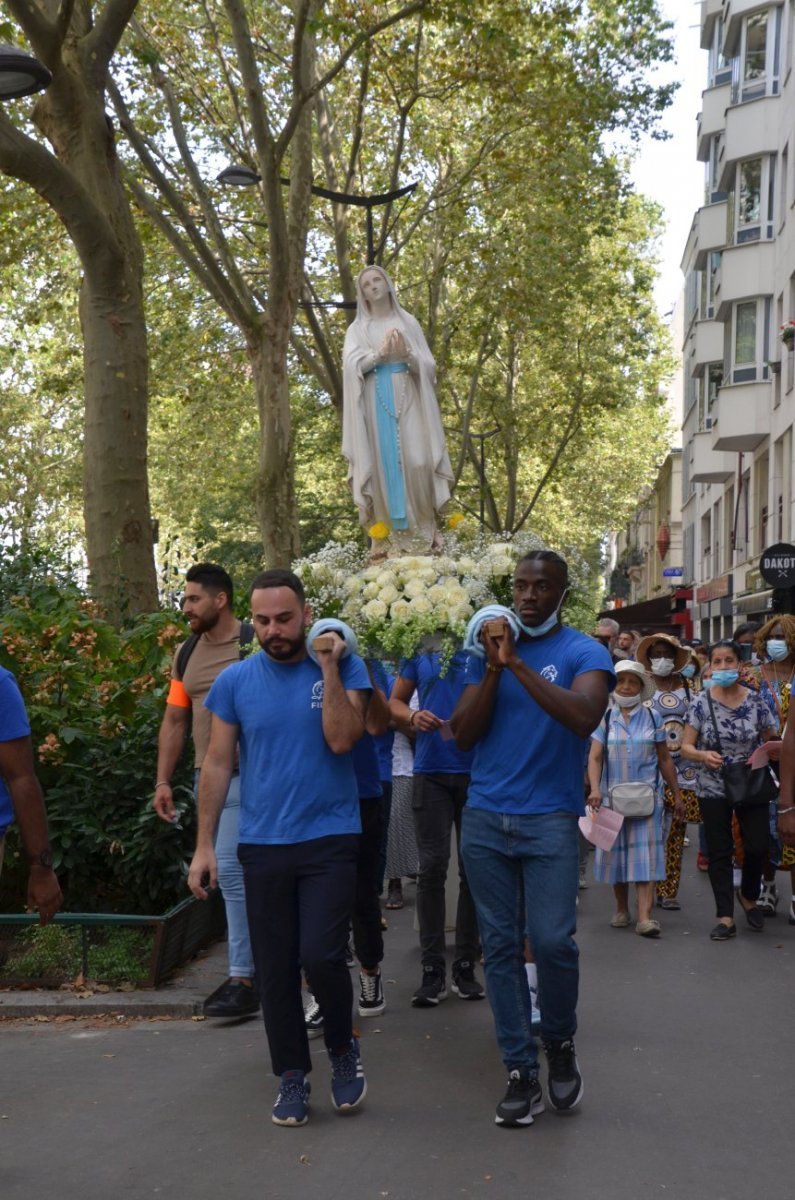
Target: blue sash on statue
[[389, 442]]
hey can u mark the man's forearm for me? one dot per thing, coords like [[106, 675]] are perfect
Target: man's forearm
[[342, 724], [170, 744], [214, 781], [472, 717], [31, 816]]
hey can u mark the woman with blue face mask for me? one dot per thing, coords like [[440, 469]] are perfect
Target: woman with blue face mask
[[774, 645], [665, 659], [740, 719]]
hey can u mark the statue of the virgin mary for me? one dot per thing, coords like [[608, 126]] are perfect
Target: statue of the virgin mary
[[398, 468]]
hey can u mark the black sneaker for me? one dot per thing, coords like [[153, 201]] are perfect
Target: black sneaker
[[313, 1018], [431, 990], [522, 1100], [232, 999], [564, 1081], [465, 984], [371, 995]]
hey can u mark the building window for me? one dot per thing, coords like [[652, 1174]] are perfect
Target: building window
[[750, 337], [720, 68], [755, 71], [745, 334], [713, 169]]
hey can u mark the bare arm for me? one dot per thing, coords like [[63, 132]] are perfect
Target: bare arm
[[216, 772], [344, 712], [595, 759], [710, 758], [17, 768], [379, 717], [668, 772], [786, 796], [170, 744], [409, 720]]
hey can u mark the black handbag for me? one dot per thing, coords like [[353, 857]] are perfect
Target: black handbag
[[746, 786]]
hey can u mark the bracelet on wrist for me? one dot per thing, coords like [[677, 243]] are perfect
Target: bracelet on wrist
[[782, 811], [412, 715], [162, 783], [494, 670]]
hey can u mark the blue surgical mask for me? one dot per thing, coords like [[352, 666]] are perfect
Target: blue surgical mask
[[688, 672], [537, 631], [707, 683], [777, 649], [725, 679]]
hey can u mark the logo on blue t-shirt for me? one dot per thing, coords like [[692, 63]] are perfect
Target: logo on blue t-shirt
[[317, 694], [550, 672]]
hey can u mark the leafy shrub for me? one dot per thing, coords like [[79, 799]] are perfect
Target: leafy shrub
[[95, 697]]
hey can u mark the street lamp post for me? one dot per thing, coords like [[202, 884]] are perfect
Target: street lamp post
[[236, 176], [21, 74]]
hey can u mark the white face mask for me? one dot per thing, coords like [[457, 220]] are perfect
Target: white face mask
[[661, 666], [626, 701]]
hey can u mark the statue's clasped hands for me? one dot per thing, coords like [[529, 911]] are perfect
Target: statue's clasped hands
[[393, 348]]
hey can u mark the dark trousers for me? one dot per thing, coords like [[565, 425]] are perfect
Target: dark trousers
[[386, 787], [754, 826], [299, 900], [438, 801], [368, 940]]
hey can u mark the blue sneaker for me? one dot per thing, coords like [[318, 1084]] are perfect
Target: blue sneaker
[[348, 1085], [292, 1103]]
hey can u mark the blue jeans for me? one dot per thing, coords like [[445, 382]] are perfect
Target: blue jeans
[[522, 873], [230, 881]]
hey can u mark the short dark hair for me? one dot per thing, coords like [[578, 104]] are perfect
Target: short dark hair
[[746, 628], [212, 577], [726, 644], [548, 556], [278, 577]]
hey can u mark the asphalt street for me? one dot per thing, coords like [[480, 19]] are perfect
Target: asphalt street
[[686, 1048]]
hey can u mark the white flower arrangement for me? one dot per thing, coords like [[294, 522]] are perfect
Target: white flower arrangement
[[403, 605]]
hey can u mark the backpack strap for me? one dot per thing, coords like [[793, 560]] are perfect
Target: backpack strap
[[607, 759]]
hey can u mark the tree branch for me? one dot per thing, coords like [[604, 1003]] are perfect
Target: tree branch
[[102, 41]]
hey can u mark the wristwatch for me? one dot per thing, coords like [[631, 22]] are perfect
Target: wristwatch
[[42, 859]]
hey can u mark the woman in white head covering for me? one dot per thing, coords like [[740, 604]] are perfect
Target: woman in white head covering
[[398, 467]]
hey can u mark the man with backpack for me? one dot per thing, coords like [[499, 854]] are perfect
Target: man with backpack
[[217, 639]]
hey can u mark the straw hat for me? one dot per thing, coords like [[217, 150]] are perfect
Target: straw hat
[[634, 668], [681, 653]]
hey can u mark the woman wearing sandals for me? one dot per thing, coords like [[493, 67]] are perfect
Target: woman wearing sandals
[[636, 753], [667, 661], [738, 720]]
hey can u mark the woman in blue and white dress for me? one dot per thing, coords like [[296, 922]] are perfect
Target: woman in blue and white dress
[[636, 753]]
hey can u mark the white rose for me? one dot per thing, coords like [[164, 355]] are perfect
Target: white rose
[[445, 566], [466, 566], [374, 610], [385, 577], [437, 594], [371, 573], [460, 614], [400, 611], [353, 584], [454, 594], [428, 575], [414, 587], [420, 604], [388, 594], [500, 548], [501, 565], [370, 591]]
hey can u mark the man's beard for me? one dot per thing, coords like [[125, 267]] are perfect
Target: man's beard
[[285, 648], [199, 625]]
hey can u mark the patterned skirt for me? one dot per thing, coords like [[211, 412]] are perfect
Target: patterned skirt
[[692, 810], [402, 857], [638, 853]]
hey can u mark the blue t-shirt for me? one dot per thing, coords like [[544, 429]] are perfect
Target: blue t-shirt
[[13, 725], [384, 742], [366, 766], [293, 787], [433, 754], [528, 762]]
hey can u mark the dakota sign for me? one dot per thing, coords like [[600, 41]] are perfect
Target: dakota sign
[[777, 565]]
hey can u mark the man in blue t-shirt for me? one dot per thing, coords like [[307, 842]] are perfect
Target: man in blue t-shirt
[[296, 721], [528, 712], [20, 797], [441, 776]]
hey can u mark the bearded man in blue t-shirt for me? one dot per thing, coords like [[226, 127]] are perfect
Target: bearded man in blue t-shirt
[[296, 721], [528, 711]]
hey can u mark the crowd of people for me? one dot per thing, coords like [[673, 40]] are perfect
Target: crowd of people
[[324, 782]]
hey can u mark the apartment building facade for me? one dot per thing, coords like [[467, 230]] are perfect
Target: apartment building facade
[[739, 267]]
